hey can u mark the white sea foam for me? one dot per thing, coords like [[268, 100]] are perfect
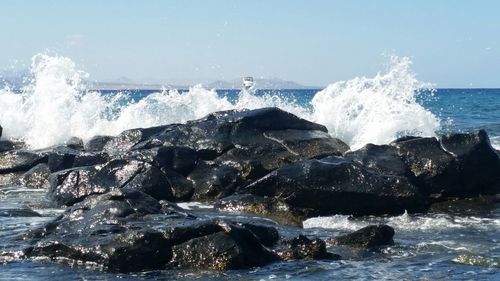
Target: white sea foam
[[56, 106], [495, 142], [375, 110], [404, 222]]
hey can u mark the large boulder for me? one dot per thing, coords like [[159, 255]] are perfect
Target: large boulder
[[336, 185], [130, 231], [20, 160], [454, 165], [477, 161]]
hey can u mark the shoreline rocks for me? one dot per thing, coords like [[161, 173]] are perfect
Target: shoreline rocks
[[120, 192]]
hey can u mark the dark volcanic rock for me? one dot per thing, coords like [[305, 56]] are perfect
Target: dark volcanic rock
[[367, 237], [75, 143], [435, 169], [6, 145], [20, 160], [268, 207], [96, 232], [232, 248], [73, 185], [130, 231], [383, 159], [64, 157], [97, 143], [455, 165], [36, 177], [335, 185], [302, 247], [478, 162]]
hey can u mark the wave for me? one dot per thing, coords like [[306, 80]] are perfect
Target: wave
[[56, 106]]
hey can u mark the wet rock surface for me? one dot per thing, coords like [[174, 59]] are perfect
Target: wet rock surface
[[367, 237], [263, 170]]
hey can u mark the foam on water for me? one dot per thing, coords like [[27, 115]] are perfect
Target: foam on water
[[56, 106], [404, 222], [375, 110]]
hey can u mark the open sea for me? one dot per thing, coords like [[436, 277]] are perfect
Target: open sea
[[460, 245]]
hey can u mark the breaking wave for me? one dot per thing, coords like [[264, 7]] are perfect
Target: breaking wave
[[56, 106]]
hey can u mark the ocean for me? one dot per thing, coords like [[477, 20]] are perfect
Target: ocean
[[461, 245]]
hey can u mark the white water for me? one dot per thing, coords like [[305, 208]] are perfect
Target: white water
[[56, 106]]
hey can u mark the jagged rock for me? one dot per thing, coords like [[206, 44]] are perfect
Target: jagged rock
[[127, 139], [64, 157], [455, 165], [130, 231], [36, 177], [267, 207], [20, 160], [478, 162], [73, 185], [367, 237], [302, 247], [232, 248], [97, 143], [6, 145], [335, 185]]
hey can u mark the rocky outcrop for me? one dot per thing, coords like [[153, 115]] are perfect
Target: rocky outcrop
[[130, 231], [335, 185]]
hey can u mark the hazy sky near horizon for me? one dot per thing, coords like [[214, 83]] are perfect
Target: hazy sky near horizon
[[451, 43]]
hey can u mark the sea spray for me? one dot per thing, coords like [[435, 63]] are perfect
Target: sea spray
[[375, 110], [56, 105]]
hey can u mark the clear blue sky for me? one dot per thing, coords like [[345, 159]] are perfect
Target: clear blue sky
[[452, 43]]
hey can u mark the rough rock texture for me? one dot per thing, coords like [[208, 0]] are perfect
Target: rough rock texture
[[302, 247], [335, 185], [130, 231], [455, 165], [367, 237], [72, 185], [268, 207]]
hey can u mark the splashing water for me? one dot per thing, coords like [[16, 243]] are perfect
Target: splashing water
[[375, 110], [56, 106]]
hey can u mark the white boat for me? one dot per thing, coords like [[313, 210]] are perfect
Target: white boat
[[248, 83]]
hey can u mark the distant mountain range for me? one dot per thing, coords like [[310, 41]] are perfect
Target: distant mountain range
[[15, 80]]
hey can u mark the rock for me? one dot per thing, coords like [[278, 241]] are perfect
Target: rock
[[127, 139], [264, 206], [64, 157], [435, 170], [6, 145], [232, 248], [335, 185], [72, 185], [20, 160], [383, 159], [36, 177], [1, 129], [130, 231], [211, 180], [460, 165], [478, 162], [302, 247], [367, 237], [97, 143], [74, 143]]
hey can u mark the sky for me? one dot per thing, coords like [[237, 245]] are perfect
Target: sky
[[315, 43]]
